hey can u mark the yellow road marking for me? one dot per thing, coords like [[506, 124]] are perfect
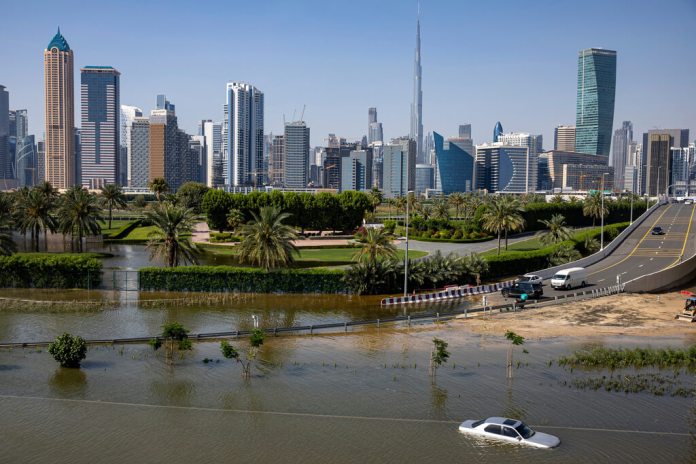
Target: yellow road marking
[[637, 245], [686, 239]]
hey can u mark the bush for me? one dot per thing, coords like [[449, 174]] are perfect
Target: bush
[[389, 226], [50, 271], [68, 350], [223, 237], [236, 279]]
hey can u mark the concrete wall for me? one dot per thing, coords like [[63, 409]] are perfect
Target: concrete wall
[[668, 279], [600, 255]]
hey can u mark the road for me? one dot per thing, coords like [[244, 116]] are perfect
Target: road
[[643, 253]]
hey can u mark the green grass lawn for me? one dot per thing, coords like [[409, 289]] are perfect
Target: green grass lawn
[[525, 245], [116, 224], [140, 233]]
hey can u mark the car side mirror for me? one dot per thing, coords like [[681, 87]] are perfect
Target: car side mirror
[[519, 438]]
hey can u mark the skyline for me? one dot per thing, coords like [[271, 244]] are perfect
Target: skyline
[[531, 89]]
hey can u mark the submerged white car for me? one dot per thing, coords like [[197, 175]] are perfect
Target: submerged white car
[[508, 430]]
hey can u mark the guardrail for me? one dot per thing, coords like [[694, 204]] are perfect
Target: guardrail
[[311, 329], [448, 294], [666, 279]]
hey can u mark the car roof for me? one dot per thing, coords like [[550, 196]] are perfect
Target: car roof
[[503, 421]]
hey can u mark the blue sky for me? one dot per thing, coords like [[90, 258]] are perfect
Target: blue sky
[[483, 61]]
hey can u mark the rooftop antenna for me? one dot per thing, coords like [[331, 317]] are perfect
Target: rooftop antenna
[[302, 115]]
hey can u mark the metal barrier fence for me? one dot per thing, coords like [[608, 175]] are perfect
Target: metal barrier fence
[[447, 294], [343, 326], [120, 280]]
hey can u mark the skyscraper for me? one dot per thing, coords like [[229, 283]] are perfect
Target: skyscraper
[[619, 154], [505, 168], [59, 158], [296, 166], [101, 111], [276, 163], [564, 138], [5, 161], [497, 131], [356, 170], [243, 135], [657, 158], [399, 167], [455, 164], [128, 115], [213, 144], [371, 115], [139, 152], [533, 142], [595, 104], [417, 105]]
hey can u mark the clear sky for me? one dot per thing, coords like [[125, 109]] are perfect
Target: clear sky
[[483, 61]]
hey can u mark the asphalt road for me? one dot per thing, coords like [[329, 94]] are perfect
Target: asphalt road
[[643, 253]]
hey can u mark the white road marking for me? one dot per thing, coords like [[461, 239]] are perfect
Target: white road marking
[[641, 265], [601, 280]]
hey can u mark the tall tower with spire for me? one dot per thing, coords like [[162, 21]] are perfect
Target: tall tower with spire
[[60, 113], [417, 105]]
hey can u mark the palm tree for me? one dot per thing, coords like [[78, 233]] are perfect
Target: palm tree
[[169, 240], [376, 244], [475, 266], [159, 186], [266, 241], [441, 209], [503, 215], [47, 189], [556, 230], [79, 214], [376, 198], [34, 214], [457, 200], [7, 245], [235, 218], [400, 204], [592, 206], [112, 196], [557, 199]]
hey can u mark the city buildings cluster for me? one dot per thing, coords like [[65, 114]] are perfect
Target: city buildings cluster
[[118, 144]]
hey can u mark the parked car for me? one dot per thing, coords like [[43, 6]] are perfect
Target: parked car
[[533, 291], [531, 278], [657, 231], [510, 431], [569, 278]]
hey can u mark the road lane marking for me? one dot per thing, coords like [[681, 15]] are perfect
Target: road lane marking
[[686, 239]]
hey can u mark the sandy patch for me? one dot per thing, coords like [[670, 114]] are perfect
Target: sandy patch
[[629, 314]]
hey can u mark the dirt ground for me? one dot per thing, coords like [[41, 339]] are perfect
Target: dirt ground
[[628, 314]]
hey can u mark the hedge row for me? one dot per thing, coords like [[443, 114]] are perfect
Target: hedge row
[[238, 279], [42, 271], [521, 262], [618, 211]]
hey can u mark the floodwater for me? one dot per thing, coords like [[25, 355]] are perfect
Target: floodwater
[[356, 398]]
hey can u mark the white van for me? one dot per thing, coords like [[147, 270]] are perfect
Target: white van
[[569, 278]]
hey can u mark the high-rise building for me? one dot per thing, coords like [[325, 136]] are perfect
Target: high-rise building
[[595, 104], [417, 105], [657, 158], [399, 167], [128, 115], [533, 142], [59, 158], [243, 135], [164, 144], [101, 111], [425, 178], [374, 128], [276, 163], [164, 104], [558, 160], [465, 131], [213, 145], [623, 138], [371, 115], [506, 169], [497, 131], [337, 148], [455, 164], [25, 162], [356, 170], [296, 165], [564, 138], [139, 149], [5, 159]]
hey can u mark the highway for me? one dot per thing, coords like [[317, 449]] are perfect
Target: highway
[[643, 253]]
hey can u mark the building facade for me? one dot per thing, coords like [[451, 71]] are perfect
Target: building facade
[[623, 138], [5, 158], [101, 111], [213, 144], [658, 158], [356, 171], [417, 104], [399, 168], [564, 138], [25, 162], [425, 178], [59, 157], [128, 115], [505, 169], [558, 159], [243, 135], [139, 149], [520, 139], [296, 165], [595, 101], [276, 163], [455, 164]]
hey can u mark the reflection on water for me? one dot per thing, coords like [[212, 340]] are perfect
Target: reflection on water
[[68, 382]]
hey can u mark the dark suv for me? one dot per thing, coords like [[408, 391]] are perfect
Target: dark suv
[[657, 231], [534, 291]]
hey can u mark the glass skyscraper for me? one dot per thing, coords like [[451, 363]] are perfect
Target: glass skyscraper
[[455, 165], [595, 104]]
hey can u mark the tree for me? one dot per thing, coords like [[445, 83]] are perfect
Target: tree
[[565, 253], [7, 245], [515, 340], [235, 218], [173, 332], [68, 350], [400, 204], [476, 266], [556, 230], [502, 215], [592, 207], [456, 200], [376, 244], [230, 352], [441, 209], [372, 278], [79, 214], [191, 194], [170, 238], [376, 198], [33, 212], [216, 204], [266, 241], [158, 186], [557, 199], [112, 196], [438, 355]]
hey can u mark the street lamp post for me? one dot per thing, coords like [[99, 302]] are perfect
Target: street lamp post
[[406, 255], [601, 235], [631, 194]]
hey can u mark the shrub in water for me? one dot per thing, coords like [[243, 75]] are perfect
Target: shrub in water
[[68, 350]]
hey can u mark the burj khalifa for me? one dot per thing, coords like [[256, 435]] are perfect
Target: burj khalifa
[[417, 105]]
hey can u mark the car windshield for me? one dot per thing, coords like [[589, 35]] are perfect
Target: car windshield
[[560, 277], [524, 430]]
